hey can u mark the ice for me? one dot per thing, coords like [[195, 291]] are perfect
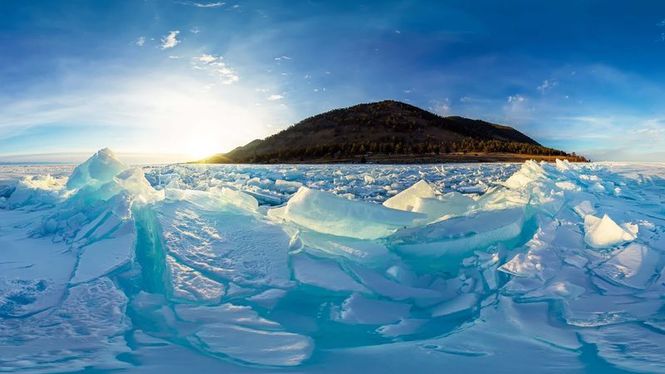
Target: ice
[[287, 186], [104, 256], [276, 348], [133, 182], [34, 272], [461, 234], [242, 268], [523, 265], [85, 330], [323, 273], [530, 171], [240, 333], [39, 191], [205, 235], [358, 309], [605, 233], [629, 347], [393, 290], [268, 298], [407, 199], [422, 198], [326, 213], [401, 328], [226, 313], [584, 209], [97, 170], [214, 200], [353, 249], [189, 284], [462, 303], [449, 205], [634, 266]]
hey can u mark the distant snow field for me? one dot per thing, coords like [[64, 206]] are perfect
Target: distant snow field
[[332, 268]]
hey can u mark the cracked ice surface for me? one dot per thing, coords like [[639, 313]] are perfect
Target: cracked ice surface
[[332, 268]]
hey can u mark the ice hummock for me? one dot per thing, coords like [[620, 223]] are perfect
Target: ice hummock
[[407, 199], [247, 268], [98, 169], [423, 198], [605, 233], [326, 213]]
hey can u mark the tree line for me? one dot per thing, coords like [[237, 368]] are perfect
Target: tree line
[[340, 151]]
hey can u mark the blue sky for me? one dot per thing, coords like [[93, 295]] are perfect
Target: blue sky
[[189, 78]]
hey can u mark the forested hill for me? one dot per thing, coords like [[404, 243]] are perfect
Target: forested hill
[[390, 131]]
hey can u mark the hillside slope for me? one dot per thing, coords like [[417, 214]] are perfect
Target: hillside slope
[[389, 131]]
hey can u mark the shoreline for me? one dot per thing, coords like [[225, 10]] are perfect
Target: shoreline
[[451, 158]]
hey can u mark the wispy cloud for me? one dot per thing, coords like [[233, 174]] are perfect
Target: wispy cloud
[[215, 66], [133, 109], [547, 85], [206, 58], [440, 107], [514, 99], [140, 41], [620, 137], [170, 40], [518, 108], [275, 97], [280, 58], [202, 5]]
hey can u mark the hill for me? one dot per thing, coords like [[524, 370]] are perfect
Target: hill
[[390, 131]]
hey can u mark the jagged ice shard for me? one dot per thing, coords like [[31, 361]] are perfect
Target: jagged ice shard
[[332, 268]]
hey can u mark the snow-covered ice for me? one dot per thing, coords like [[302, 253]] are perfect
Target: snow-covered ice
[[332, 268]]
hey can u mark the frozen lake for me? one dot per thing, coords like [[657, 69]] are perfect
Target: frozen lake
[[333, 268]]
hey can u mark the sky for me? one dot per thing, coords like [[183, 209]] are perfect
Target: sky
[[186, 79]]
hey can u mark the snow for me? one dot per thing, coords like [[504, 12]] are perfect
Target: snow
[[331, 268], [104, 256], [192, 285], [86, 330], [215, 239]]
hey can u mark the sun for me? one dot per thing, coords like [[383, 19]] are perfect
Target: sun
[[201, 147], [183, 117]]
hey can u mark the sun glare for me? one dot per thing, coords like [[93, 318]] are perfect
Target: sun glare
[[186, 117], [201, 147]]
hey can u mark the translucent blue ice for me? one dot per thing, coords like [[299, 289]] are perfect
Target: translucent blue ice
[[333, 268]]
